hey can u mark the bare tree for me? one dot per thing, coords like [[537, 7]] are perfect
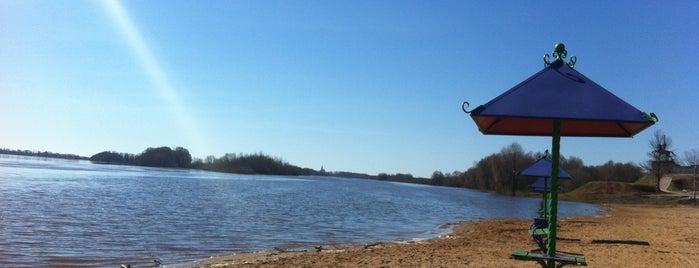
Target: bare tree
[[662, 157], [691, 157]]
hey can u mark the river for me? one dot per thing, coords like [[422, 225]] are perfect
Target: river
[[65, 213]]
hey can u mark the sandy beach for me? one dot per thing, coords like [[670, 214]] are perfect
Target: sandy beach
[[645, 235]]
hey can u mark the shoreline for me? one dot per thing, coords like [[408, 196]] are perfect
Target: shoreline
[[670, 232], [247, 258]]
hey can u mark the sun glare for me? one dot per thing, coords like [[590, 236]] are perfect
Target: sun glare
[[162, 86]]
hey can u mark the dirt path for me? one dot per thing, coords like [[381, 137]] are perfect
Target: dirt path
[[665, 182]]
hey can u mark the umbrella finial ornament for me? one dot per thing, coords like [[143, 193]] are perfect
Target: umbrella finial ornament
[[560, 53]]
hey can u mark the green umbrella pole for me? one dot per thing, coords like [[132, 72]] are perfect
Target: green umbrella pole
[[556, 147], [545, 204]]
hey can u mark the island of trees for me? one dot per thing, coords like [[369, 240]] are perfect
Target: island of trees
[[151, 157], [181, 158]]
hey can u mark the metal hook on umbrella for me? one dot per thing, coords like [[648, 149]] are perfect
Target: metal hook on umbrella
[[464, 106]]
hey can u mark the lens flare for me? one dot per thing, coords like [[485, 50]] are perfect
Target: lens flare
[[155, 72]]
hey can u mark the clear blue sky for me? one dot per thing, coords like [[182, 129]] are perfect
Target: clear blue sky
[[361, 86]]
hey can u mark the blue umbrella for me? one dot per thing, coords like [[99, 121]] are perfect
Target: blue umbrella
[[542, 168], [560, 93], [559, 101]]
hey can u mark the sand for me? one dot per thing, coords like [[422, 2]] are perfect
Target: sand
[[671, 234]]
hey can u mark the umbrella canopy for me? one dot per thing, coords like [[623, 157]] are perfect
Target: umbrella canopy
[[559, 92], [542, 168]]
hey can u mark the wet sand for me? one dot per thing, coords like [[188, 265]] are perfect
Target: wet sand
[[641, 235]]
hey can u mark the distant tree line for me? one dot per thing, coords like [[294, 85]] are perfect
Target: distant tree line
[[151, 157], [498, 172], [181, 158], [402, 177], [251, 164], [42, 154], [116, 158]]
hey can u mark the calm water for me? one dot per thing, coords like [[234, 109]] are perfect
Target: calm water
[[73, 213]]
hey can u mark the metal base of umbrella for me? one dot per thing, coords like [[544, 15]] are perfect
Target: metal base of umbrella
[[549, 261]]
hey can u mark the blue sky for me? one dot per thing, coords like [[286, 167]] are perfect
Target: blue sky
[[361, 86]]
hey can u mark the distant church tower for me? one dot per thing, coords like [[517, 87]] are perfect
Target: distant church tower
[[322, 170]]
